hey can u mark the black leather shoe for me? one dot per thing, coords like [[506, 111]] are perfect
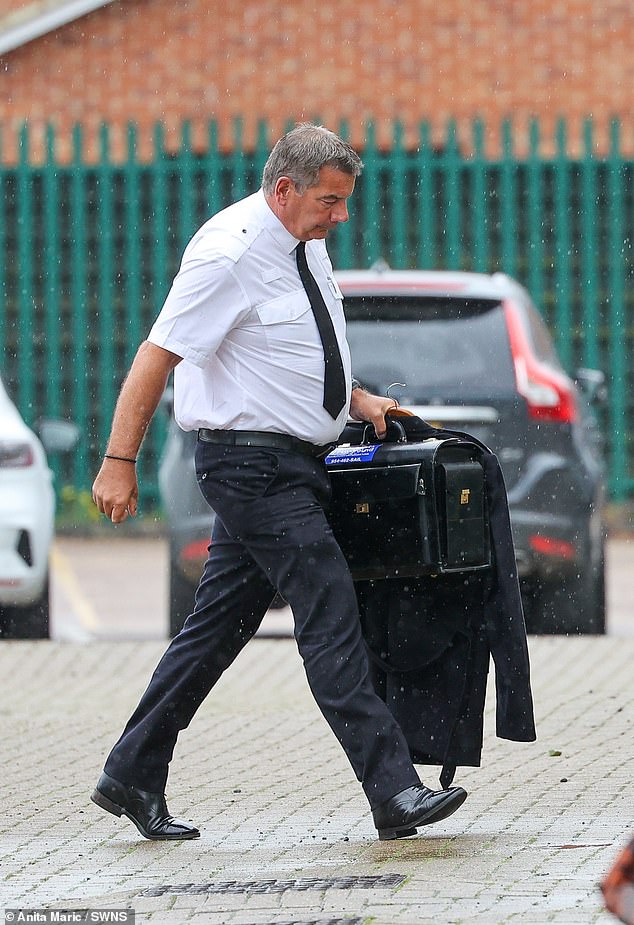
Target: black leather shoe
[[147, 810], [417, 805]]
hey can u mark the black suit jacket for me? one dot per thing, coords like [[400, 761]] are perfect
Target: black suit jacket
[[430, 641]]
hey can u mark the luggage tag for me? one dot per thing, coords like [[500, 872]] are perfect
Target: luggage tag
[[352, 454]]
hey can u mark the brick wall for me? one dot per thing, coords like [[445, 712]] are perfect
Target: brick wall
[[149, 60]]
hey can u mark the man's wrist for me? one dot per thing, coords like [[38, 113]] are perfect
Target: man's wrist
[[127, 459]]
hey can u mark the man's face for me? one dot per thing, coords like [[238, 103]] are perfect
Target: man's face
[[319, 209]]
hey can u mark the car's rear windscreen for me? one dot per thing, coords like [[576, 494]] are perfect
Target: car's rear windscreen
[[444, 349]]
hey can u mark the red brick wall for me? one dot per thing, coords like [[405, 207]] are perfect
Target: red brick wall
[[281, 60], [11, 6]]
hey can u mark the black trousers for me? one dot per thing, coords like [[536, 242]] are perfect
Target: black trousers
[[270, 533]]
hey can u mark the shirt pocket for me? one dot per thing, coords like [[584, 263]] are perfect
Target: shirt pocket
[[284, 308]]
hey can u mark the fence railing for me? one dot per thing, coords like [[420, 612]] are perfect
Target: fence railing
[[88, 250]]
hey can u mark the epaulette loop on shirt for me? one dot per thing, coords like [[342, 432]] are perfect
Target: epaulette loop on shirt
[[237, 241]]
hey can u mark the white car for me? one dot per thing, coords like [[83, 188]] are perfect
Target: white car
[[27, 511]]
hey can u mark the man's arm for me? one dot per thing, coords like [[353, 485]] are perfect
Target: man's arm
[[367, 407], [115, 490]]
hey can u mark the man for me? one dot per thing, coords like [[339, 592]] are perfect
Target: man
[[254, 329], [618, 885]]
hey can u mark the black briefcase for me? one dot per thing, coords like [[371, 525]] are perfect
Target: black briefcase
[[403, 509]]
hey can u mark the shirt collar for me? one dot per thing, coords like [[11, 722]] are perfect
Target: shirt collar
[[282, 235]]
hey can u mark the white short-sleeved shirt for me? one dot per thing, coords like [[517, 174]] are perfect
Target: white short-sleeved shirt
[[238, 315]]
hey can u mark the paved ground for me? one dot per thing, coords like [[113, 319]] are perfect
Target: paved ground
[[287, 837], [117, 588]]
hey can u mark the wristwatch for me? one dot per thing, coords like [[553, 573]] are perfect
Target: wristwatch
[[356, 384]]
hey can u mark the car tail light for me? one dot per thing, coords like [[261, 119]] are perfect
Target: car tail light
[[195, 551], [191, 559], [553, 548], [15, 455], [549, 393]]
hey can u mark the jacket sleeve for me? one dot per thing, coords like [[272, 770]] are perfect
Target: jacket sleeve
[[504, 619]]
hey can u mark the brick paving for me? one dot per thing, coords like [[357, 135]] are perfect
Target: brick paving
[[286, 832]]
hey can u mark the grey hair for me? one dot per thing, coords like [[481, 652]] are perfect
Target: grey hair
[[301, 153]]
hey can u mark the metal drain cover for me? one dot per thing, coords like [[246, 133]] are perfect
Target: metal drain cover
[[338, 921], [384, 882]]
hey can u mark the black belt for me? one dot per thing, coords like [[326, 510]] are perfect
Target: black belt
[[264, 439]]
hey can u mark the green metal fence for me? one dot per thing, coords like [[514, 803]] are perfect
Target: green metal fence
[[87, 253]]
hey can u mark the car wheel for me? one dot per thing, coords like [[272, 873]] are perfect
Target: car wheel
[[181, 599], [574, 605], [30, 622]]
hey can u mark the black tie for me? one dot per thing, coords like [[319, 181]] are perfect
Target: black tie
[[334, 381]]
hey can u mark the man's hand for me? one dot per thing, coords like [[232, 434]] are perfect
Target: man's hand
[[115, 490], [367, 407]]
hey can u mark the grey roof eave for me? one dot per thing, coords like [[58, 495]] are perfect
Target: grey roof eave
[[40, 18]]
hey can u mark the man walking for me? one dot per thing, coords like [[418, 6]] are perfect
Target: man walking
[[254, 330]]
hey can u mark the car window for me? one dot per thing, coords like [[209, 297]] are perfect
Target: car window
[[442, 348], [540, 338]]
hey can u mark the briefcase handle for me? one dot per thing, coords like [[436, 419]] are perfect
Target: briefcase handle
[[395, 432]]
